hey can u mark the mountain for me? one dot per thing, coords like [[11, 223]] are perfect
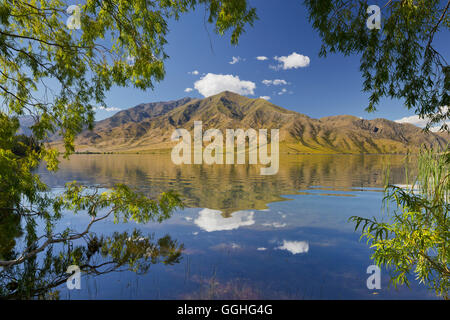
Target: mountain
[[148, 127]]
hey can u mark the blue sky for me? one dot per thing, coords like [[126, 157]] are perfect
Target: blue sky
[[324, 87]]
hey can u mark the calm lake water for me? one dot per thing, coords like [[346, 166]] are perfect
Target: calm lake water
[[246, 236]]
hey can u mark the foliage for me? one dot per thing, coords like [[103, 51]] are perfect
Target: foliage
[[27, 275], [56, 75], [415, 238], [37, 279], [120, 202], [398, 61]]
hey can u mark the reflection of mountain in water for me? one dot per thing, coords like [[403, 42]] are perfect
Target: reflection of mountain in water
[[229, 188]]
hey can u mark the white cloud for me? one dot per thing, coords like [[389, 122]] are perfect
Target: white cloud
[[435, 129], [194, 73], [422, 122], [212, 220], [262, 58], [276, 68], [107, 109], [265, 97], [293, 61], [188, 90], [295, 247], [283, 91], [415, 120], [235, 60], [212, 84], [261, 249], [276, 82]]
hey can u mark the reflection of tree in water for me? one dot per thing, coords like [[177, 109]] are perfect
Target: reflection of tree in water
[[38, 277], [33, 262]]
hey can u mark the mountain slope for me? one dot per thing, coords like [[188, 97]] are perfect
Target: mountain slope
[[150, 126]]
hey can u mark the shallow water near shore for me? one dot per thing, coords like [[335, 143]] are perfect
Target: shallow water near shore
[[246, 236]]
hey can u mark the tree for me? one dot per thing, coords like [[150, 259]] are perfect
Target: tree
[[55, 68], [399, 60], [415, 237]]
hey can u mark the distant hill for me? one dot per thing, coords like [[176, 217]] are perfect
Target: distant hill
[[148, 127]]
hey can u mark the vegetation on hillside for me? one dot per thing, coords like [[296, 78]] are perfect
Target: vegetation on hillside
[[150, 126]]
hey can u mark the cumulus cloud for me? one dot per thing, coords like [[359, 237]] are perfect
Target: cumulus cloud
[[265, 97], [235, 60], [262, 58], [188, 90], [293, 61], [212, 220], [194, 73], [422, 122], [283, 91], [436, 129], [415, 120], [107, 109], [212, 84], [295, 247], [276, 82]]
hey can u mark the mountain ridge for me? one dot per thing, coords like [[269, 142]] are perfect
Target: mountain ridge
[[148, 127]]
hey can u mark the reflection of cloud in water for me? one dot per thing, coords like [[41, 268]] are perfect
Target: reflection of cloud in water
[[212, 220], [295, 247], [227, 246], [275, 225]]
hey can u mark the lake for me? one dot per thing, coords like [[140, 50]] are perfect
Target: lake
[[244, 235]]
